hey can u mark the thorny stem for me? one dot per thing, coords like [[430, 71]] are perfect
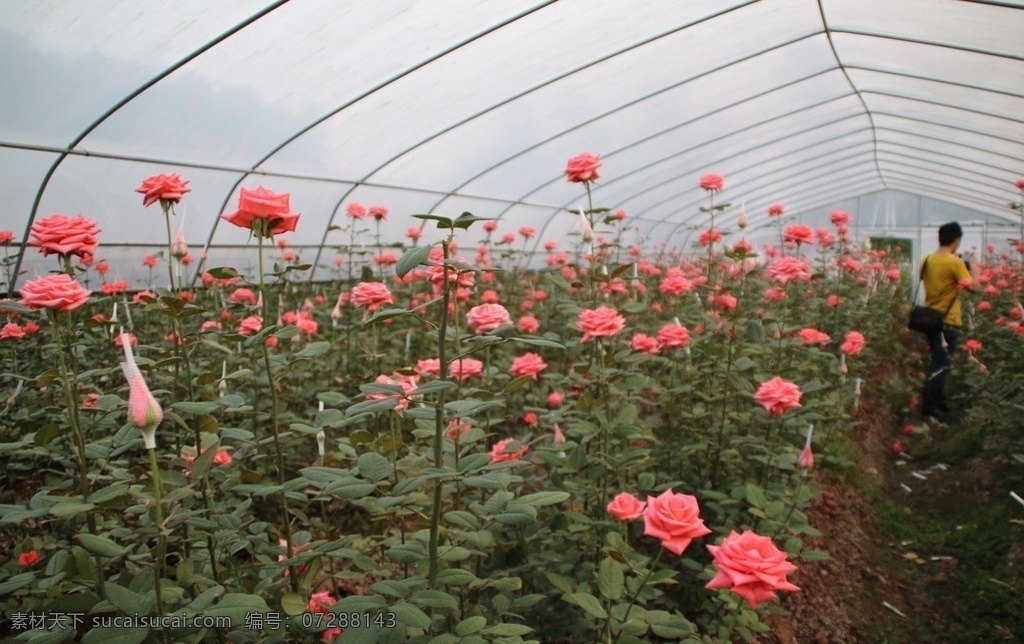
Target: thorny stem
[[161, 539], [278, 452], [435, 517], [639, 589]]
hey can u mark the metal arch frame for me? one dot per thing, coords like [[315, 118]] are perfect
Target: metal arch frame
[[824, 173], [927, 121], [454, 191], [717, 139], [890, 165], [392, 79], [983, 178], [913, 186], [111, 111], [945, 154], [688, 172], [929, 79], [859, 92], [944, 142], [856, 186], [508, 100], [922, 41], [915, 99]]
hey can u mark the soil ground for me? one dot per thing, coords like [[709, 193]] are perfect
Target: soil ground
[[921, 549]]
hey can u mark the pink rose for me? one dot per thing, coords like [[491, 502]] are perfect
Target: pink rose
[[806, 459], [854, 343], [788, 269], [56, 292], [165, 188], [243, 296], [675, 519], [778, 395], [750, 566], [712, 182], [62, 235], [644, 344], [814, 336], [675, 285], [264, 212], [583, 168], [6, 237], [776, 210], [672, 336], [528, 232], [467, 368], [371, 295], [774, 295], [355, 210], [11, 331], [528, 324], [490, 226], [800, 234], [601, 322], [505, 450], [250, 325], [626, 507], [379, 212], [487, 317], [726, 302], [839, 217], [429, 367], [709, 237], [414, 232], [555, 399], [528, 364], [143, 410], [114, 288]]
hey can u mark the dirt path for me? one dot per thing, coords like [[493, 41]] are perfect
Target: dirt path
[[922, 550]]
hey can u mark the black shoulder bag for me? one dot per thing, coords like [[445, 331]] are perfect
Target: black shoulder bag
[[923, 318]]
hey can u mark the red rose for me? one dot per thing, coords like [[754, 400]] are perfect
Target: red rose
[[56, 292], [65, 235], [28, 558], [264, 212]]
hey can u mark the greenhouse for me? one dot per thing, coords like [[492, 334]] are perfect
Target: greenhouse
[[549, 321]]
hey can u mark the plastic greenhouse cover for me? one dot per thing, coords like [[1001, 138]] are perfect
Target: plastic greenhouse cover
[[906, 109]]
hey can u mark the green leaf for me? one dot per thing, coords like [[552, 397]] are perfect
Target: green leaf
[[442, 222], [466, 219], [128, 602], [195, 408], [202, 465], [755, 496], [294, 604], [587, 602], [70, 508], [374, 466], [433, 387], [223, 272], [435, 599], [538, 342], [100, 545], [386, 313], [815, 555], [455, 577], [409, 615], [507, 630], [235, 606], [411, 259], [16, 582], [359, 604], [372, 406], [610, 579], [314, 350], [115, 635], [470, 625], [539, 499]]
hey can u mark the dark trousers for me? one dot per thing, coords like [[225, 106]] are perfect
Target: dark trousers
[[933, 396]]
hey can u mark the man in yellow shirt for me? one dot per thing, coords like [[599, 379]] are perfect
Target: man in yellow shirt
[[945, 274]]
